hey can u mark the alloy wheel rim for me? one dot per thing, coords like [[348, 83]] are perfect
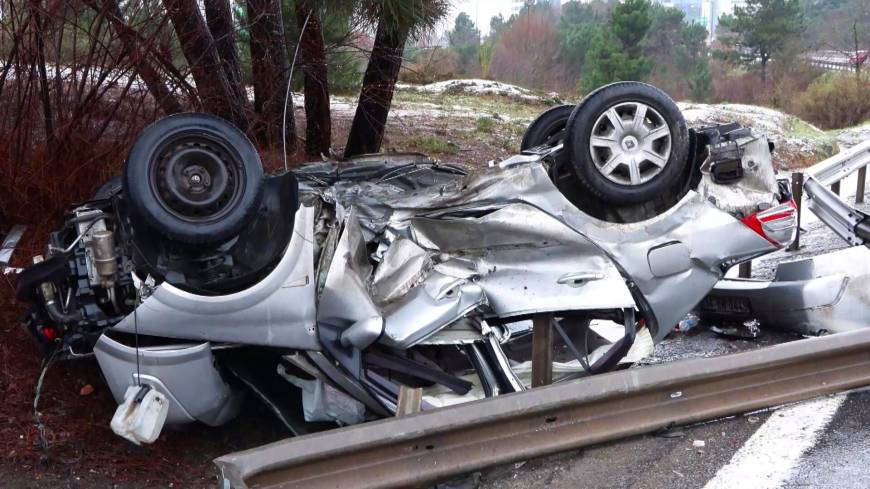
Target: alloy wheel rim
[[630, 143]]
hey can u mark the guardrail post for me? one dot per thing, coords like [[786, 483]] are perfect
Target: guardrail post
[[410, 400], [859, 192], [744, 270], [542, 350], [835, 187], [797, 192]]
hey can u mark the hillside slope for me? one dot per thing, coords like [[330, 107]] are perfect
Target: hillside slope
[[471, 122]]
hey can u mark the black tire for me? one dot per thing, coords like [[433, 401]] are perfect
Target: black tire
[[582, 124], [194, 178], [548, 128]]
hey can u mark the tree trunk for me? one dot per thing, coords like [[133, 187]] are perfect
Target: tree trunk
[[47, 116], [219, 18], [376, 95], [198, 47], [165, 99], [857, 50], [270, 69], [318, 124]]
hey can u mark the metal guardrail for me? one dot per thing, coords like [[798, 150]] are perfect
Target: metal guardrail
[[831, 60], [841, 165], [848, 222], [422, 448], [828, 205]]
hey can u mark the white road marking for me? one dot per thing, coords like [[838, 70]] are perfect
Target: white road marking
[[767, 458]]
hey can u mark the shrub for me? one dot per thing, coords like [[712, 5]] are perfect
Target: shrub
[[786, 80], [526, 54], [429, 65], [736, 86], [434, 145], [836, 100], [484, 124]]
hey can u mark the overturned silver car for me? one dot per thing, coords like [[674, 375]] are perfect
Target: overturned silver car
[[193, 276]]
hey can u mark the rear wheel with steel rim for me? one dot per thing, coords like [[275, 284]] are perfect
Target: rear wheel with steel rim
[[628, 143], [194, 178], [197, 179]]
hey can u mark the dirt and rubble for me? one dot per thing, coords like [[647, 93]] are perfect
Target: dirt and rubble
[[459, 124]]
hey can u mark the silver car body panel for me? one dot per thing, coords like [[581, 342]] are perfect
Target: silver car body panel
[[511, 232], [185, 374], [345, 298], [277, 311], [439, 301], [824, 294], [522, 267], [10, 242]]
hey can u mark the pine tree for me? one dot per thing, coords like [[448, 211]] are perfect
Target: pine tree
[[616, 52], [763, 28]]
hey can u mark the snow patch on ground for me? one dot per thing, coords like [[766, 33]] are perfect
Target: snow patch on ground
[[481, 87], [853, 136]]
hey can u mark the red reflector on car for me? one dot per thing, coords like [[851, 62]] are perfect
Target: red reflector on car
[[777, 224], [49, 333]]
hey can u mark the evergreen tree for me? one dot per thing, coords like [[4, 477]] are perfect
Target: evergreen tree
[[464, 40], [578, 26], [616, 52], [763, 28], [396, 21], [693, 55], [497, 25]]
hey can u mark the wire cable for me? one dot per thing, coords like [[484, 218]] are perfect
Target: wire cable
[[287, 96], [136, 330], [37, 418]]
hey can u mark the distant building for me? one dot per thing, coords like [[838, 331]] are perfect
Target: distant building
[[693, 9], [704, 12]]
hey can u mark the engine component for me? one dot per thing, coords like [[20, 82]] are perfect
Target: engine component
[[105, 260]]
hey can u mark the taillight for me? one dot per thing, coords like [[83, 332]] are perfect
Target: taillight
[[49, 333], [777, 224]]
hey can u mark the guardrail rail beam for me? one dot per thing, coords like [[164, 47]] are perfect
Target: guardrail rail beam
[[426, 447]]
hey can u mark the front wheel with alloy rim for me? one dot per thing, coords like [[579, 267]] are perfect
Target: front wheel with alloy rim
[[628, 143], [194, 178]]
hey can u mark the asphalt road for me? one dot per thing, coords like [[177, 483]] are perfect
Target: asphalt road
[[821, 443]]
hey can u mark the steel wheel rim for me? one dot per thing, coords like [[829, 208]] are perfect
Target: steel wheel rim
[[630, 143], [197, 179]]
